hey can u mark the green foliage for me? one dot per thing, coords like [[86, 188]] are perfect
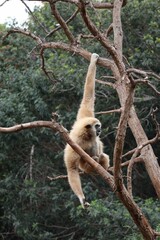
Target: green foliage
[[108, 219], [142, 42]]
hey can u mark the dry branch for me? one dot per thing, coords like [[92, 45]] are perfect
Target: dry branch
[[140, 147], [101, 38], [59, 27], [24, 32], [34, 17], [120, 137], [110, 111], [129, 171], [148, 83], [67, 47], [106, 83], [117, 27], [62, 23]]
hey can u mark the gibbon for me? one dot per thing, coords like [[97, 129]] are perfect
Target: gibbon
[[85, 132]]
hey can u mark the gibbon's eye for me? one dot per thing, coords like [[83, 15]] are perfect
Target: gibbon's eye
[[88, 126], [97, 126]]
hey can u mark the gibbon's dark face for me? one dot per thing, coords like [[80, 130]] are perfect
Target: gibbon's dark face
[[94, 128], [98, 129]]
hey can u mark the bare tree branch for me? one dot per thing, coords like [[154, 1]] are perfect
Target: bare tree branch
[[71, 48], [20, 127], [101, 38], [153, 75], [142, 81], [3, 3], [111, 111], [106, 83], [95, 4], [34, 17], [134, 70], [118, 149], [109, 30], [129, 172], [117, 27], [59, 27], [57, 177], [24, 32], [140, 147], [62, 177], [80, 51], [62, 23]]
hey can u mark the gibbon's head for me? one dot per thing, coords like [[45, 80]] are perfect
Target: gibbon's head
[[87, 128]]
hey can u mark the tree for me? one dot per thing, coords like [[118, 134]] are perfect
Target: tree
[[126, 79]]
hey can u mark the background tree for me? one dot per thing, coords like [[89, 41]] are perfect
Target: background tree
[[31, 96]]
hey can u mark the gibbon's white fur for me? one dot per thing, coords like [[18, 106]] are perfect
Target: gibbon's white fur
[[85, 132]]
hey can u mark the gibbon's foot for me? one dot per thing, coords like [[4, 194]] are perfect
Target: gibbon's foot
[[85, 204], [94, 57]]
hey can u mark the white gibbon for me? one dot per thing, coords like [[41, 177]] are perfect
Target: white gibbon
[[85, 132]]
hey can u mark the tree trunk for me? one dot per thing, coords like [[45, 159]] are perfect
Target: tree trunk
[[147, 153]]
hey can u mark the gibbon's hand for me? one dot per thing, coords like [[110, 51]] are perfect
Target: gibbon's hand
[[94, 57]]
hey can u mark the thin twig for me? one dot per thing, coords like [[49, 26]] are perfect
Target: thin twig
[[110, 111], [124, 164], [24, 32], [106, 83], [151, 141], [34, 17], [61, 177], [147, 82], [31, 163], [141, 72], [3, 3], [59, 27], [120, 137], [129, 172], [62, 23]]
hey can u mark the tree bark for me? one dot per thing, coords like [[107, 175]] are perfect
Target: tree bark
[[147, 153]]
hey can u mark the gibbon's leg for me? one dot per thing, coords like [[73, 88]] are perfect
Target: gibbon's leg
[[85, 167], [75, 182], [87, 104]]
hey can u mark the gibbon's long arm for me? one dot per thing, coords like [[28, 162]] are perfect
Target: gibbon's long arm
[[87, 104]]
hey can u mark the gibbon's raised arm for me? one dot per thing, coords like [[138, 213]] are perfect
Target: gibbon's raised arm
[[85, 132], [87, 104]]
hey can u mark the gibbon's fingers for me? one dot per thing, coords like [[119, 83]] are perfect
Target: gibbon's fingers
[[94, 57]]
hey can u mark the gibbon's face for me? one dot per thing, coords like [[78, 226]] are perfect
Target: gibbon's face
[[86, 128], [94, 128]]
